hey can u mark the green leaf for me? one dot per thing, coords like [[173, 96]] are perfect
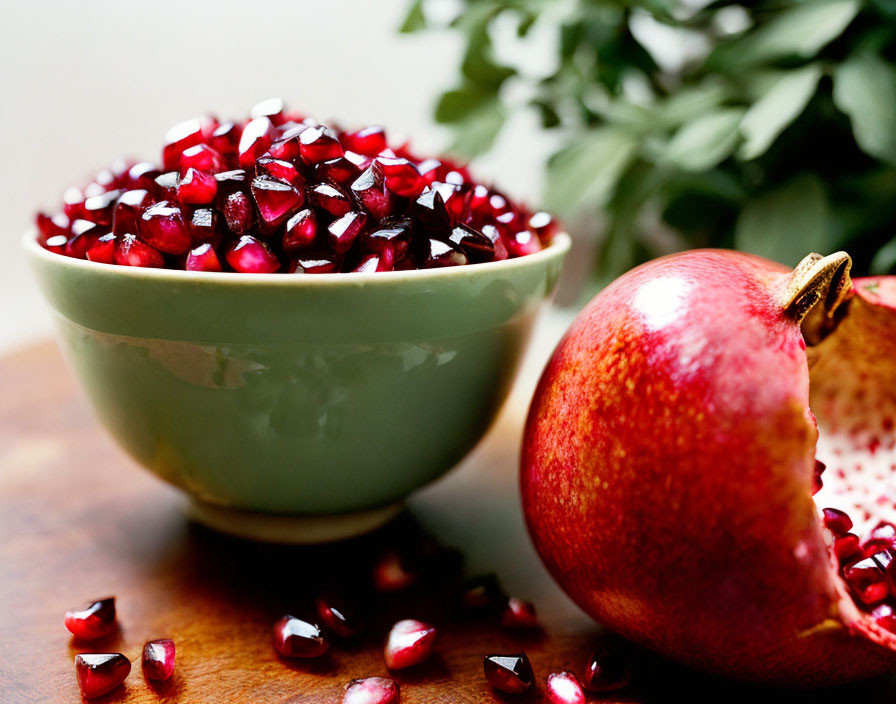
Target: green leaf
[[476, 132], [585, 173], [706, 141], [802, 30], [415, 20], [780, 106], [788, 223], [479, 65], [865, 89], [456, 105], [690, 102]]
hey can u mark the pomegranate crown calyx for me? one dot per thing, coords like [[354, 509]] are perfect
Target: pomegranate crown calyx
[[814, 290]]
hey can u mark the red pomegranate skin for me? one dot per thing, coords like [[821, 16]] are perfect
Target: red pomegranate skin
[[666, 471]]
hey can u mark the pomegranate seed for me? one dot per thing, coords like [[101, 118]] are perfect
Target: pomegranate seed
[[100, 673], [272, 108], [197, 187], [205, 226], [162, 226], [275, 200], [409, 643], [837, 521], [226, 138], [883, 531], [319, 143], [331, 199], [544, 225], [374, 262], [103, 250], [401, 176], [847, 547], [393, 240], [338, 616], [143, 174], [369, 141], [473, 243], [295, 638], [287, 144], [430, 211], [165, 186], [179, 138], [482, 592], [497, 241], [84, 236], [73, 202], [439, 254], [132, 252], [95, 620], [56, 243], [371, 690], [390, 573], [816, 477], [280, 170], [564, 688], [511, 674], [343, 231], [99, 208], [320, 264], [201, 157], [130, 207], [609, 668], [158, 659], [339, 170], [203, 258], [255, 140], [885, 617], [252, 256], [301, 231], [370, 190], [429, 169], [230, 182], [239, 213], [52, 225], [524, 242], [519, 614]]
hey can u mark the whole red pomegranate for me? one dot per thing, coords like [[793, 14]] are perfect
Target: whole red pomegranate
[[670, 460]]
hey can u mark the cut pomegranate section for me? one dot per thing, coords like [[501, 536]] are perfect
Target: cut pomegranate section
[[93, 620], [409, 643], [511, 674], [158, 659], [100, 673]]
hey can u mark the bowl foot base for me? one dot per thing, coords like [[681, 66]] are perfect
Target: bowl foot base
[[286, 529]]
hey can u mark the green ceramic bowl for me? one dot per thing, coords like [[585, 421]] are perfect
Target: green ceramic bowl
[[297, 408]]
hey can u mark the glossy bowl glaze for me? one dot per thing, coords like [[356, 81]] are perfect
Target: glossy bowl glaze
[[296, 408]]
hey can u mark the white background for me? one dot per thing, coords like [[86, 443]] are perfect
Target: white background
[[86, 82]]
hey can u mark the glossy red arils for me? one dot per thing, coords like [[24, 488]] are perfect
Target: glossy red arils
[[203, 258], [523, 242], [73, 202], [103, 250], [817, 483], [56, 243], [473, 243], [609, 668], [330, 199], [275, 200], [100, 673], [286, 146], [252, 256], [83, 236], [272, 108], [338, 616], [279, 169], [371, 192], [165, 185], [342, 232], [511, 674], [315, 264], [162, 226], [226, 139], [543, 224], [393, 239], [847, 547], [197, 187], [371, 690], [295, 638], [239, 213], [519, 614], [319, 143], [885, 617], [391, 574], [374, 262], [201, 157], [92, 621], [180, 137], [130, 251], [564, 688], [409, 643], [99, 208], [401, 176], [369, 141], [52, 225], [836, 521], [429, 169], [229, 182], [143, 174], [158, 659], [339, 170], [205, 226], [255, 140], [301, 231], [494, 237], [128, 209], [439, 254]]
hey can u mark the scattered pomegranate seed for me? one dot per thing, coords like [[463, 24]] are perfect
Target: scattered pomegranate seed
[[409, 643], [371, 690], [519, 614], [867, 580], [609, 668], [295, 638], [338, 616], [390, 574], [158, 659], [130, 207], [511, 674], [401, 176], [564, 688], [885, 617], [483, 592], [94, 620], [130, 251], [100, 673], [374, 262], [846, 547], [205, 226], [837, 521]]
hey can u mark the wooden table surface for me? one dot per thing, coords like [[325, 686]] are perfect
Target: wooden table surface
[[78, 520]]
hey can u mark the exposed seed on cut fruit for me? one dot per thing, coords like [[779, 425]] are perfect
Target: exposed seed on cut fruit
[[197, 187], [369, 141], [511, 674], [836, 521], [100, 673], [371, 690], [519, 614], [94, 620], [390, 574], [331, 199], [319, 143], [255, 140], [343, 231], [315, 264], [339, 616], [473, 243], [847, 548], [239, 213], [564, 688], [401, 176], [158, 659], [439, 254], [103, 250], [130, 251], [280, 170], [295, 638], [885, 617], [301, 231], [816, 477], [609, 668], [409, 643], [203, 258], [276, 200], [252, 256], [867, 580], [162, 226]]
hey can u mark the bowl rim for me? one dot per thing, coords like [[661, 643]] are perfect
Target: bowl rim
[[559, 246]]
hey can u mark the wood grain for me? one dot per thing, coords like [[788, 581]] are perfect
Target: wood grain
[[78, 520]]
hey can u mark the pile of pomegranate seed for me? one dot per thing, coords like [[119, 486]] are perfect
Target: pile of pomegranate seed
[[281, 192]]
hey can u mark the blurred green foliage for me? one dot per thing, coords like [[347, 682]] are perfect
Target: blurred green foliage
[[775, 135]]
